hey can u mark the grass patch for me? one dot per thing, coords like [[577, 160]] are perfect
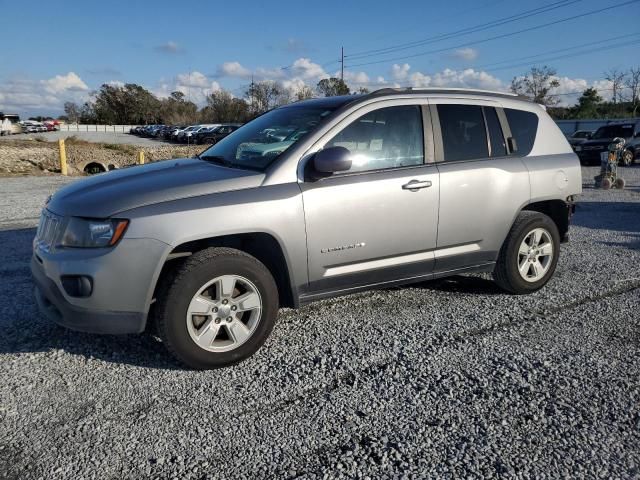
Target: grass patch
[[118, 147]]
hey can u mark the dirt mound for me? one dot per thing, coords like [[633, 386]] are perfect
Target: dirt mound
[[22, 157]]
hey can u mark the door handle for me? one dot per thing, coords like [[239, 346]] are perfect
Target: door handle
[[415, 185]]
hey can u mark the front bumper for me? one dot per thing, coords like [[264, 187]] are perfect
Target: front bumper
[[123, 282], [56, 308]]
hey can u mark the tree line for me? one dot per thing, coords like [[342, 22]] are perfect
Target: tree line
[[132, 104], [540, 84]]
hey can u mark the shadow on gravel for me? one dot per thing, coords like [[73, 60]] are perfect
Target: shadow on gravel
[[24, 330], [616, 216], [462, 284]]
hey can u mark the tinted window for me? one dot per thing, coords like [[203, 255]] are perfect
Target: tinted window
[[386, 138], [611, 131], [523, 127], [258, 143], [463, 133], [496, 138]]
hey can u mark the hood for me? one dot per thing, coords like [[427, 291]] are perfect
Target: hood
[[108, 194]]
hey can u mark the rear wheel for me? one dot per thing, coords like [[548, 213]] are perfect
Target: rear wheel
[[529, 255], [218, 309], [620, 183], [605, 184]]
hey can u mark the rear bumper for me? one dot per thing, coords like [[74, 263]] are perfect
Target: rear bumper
[[56, 308]]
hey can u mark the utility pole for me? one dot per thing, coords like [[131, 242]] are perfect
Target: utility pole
[[342, 63]]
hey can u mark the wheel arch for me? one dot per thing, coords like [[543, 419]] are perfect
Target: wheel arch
[[555, 209], [261, 245]]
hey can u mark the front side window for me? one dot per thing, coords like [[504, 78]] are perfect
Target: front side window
[[390, 137], [257, 144], [464, 136]]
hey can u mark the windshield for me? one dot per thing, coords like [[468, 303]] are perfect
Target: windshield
[[611, 131], [258, 143], [581, 134]]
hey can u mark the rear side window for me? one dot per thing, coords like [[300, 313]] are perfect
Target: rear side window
[[524, 126], [496, 138], [464, 135]]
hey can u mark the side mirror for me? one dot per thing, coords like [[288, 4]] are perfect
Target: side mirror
[[331, 160]]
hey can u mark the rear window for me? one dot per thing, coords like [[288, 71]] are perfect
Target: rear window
[[524, 126]]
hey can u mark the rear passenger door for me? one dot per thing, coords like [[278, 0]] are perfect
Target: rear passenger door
[[481, 187]]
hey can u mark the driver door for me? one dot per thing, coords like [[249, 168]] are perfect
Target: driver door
[[368, 226]]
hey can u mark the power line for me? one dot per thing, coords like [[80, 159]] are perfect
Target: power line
[[464, 31], [568, 55], [597, 42], [496, 37]]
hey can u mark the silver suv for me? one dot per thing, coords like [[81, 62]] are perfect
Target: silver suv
[[312, 200]]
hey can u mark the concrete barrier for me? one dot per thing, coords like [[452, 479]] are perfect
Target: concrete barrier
[[74, 127]]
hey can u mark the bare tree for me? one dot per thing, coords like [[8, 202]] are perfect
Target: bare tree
[[538, 84], [633, 83], [304, 92], [617, 78], [73, 111], [266, 95]]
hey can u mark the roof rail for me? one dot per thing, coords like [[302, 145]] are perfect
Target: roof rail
[[414, 90]]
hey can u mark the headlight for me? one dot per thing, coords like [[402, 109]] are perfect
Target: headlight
[[88, 233], [577, 148]]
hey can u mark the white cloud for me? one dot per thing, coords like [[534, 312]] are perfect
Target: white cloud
[[466, 54], [307, 70], [233, 69], [196, 86], [62, 83], [27, 96], [467, 78], [170, 48]]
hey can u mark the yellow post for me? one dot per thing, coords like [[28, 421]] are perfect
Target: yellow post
[[141, 157], [63, 157]]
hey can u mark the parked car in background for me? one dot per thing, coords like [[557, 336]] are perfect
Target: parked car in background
[[14, 119], [212, 135], [366, 191], [579, 137], [589, 151]]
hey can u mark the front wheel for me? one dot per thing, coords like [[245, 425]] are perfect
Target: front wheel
[[529, 255], [218, 309]]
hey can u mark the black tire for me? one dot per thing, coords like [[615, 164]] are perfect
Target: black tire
[[506, 273], [606, 184], [619, 183], [176, 292]]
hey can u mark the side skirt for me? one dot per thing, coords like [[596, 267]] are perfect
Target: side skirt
[[306, 298]]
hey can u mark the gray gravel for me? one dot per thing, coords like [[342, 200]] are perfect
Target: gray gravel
[[443, 379]]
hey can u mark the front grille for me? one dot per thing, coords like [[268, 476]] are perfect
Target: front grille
[[48, 230]]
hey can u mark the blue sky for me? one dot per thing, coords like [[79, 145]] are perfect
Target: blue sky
[[63, 50]]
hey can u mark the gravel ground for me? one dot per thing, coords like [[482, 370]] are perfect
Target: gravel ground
[[96, 137], [450, 378]]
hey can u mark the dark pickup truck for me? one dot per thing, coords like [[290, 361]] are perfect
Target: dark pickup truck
[[589, 151]]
